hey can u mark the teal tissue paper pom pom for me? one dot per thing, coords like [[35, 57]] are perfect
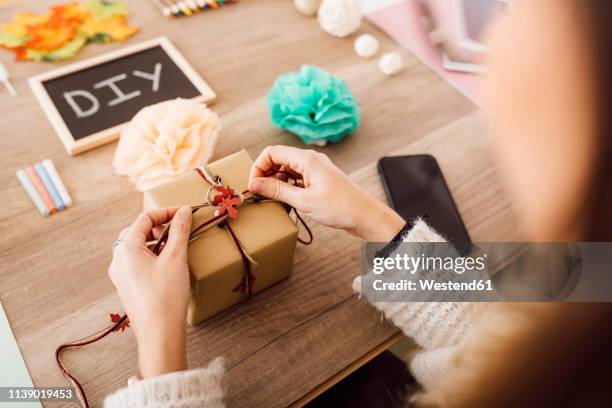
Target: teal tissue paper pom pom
[[314, 105]]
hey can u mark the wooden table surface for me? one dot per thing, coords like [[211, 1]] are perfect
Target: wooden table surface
[[290, 339]]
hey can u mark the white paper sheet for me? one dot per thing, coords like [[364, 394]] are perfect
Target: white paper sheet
[[13, 371]]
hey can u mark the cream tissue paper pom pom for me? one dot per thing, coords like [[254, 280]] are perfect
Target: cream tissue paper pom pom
[[165, 140], [366, 46], [307, 7], [390, 63], [340, 17]]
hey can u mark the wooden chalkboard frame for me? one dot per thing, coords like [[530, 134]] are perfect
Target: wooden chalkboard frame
[[74, 146]]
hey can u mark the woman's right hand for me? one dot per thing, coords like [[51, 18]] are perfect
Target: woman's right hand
[[154, 289], [327, 195]]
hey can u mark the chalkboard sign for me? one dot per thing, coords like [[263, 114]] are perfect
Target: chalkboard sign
[[89, 102]]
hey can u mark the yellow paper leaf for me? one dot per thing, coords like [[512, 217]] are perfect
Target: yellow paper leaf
[[50, 36], [60, 33], [102, 9], [19, 26], [110, 29], [9, 40], [68, 51], [73, 13]]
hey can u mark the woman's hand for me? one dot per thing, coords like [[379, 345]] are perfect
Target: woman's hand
[[154, 289], [327, 195]]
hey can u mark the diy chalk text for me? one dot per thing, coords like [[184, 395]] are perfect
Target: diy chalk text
[[89, 104]]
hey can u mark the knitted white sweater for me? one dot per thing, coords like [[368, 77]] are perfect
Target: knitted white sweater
[[436, 327]]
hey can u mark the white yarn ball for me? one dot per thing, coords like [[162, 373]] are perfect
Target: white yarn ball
[[391, 63], [340, 17], [366, 46], [307, 7]]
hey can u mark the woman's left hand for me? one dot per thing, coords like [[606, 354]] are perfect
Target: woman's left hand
[[154, 290]]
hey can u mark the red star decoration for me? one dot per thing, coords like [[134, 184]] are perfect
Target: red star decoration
[[115, 317], [224, 192], [226, 201], [228, 205]]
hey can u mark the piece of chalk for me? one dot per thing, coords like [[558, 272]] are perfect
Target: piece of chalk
[[57, 181], [10, 87], [32, 192], [41, 189], [44, 177], [4, 78]]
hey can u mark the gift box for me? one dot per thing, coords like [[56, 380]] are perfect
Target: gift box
[[217, 268]]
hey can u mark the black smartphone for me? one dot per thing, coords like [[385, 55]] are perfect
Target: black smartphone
[[416, 188]]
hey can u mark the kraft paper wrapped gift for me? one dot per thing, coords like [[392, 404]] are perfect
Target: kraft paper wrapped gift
[[265, 229]]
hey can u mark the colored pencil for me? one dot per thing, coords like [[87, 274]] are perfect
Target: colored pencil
[[164, 8], [57, 182], [176, 11], [32, 192], [179, 8], [184, 8], [46, 180], [192, 5]]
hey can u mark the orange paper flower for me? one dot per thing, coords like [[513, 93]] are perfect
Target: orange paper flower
[[165, 140]]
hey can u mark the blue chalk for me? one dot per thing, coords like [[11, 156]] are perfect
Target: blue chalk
[[44, 177]]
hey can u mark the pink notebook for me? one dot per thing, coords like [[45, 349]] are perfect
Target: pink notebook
[[402, 22]]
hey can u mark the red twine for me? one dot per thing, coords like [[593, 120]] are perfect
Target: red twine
[[227, 202]]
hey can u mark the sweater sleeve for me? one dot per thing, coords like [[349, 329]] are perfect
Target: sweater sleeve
[[183, 389], [435, 326]]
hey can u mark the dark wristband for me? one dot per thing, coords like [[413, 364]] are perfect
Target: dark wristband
[[394, 243]]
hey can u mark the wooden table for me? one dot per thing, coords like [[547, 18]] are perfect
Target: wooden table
[[300, 336]]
